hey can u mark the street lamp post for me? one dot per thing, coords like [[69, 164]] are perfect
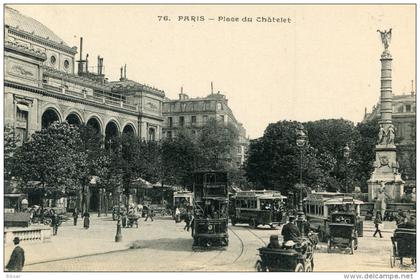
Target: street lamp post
[[346, 154], [118, 236], [301, 140]]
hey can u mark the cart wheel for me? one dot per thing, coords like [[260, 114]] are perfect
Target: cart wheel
[[352, 247], [259, 267], [308, 267], [253, 223], [299, 268], [329, 246]]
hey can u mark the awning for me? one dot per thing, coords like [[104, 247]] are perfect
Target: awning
[[140, 182], [23, 107]]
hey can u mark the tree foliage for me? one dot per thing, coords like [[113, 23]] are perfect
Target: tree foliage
[[274, 160], [53, 158]]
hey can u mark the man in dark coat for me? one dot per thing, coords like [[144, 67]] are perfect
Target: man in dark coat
[[17, 259], [55, 220], [75, 215], [290, 231]]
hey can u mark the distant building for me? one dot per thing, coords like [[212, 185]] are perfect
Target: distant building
[[404, 120], [193, 113]]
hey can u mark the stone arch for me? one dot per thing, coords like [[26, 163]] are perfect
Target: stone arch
[[112, 129], [95, 122], [129, 128], [74, 118], [50, 115]]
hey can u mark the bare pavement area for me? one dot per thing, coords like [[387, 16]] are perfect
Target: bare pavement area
[[163, 245]]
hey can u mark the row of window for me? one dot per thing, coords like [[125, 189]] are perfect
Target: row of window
[[182, 120], [193, 106], [404, 108], [314, 209], [53, 61]]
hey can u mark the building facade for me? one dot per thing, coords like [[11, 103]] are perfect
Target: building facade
[[41, 86], [404, 121], [44, 81], [193, 113]]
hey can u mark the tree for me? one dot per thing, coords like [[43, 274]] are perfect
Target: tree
[[363, 155], [216, 145], [10, 146], [178, 158], [274, 160], [53, 158], [97, 160]]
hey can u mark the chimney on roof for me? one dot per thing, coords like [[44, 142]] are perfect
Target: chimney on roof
[[182, 95], [81, 48], [80, 65], [125, 71], [87, 67], [121, 73], [211, 85]]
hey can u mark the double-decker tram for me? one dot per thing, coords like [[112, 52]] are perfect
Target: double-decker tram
[[262, 207], [319, 206], [210, 223]]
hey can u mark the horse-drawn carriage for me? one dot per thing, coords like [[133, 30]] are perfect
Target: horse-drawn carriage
[[343, 232], [297, 257], [403, 245]]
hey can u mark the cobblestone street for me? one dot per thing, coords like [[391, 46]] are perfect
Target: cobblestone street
[[163, 245]]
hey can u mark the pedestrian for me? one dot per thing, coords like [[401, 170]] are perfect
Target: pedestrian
[[75, 215], [86, 220], [55, 221], [177, 215], [377, 221], [17, 259], [187, 221], [149, 213]]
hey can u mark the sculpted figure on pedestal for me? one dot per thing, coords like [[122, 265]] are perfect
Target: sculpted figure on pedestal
[[381, 135], [391, 135], [386, 37]]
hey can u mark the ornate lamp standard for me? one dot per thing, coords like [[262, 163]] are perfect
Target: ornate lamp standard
[[301, 140], [346, 154], [118, 236]]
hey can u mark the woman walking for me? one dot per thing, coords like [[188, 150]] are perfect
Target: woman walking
[[86, 220]]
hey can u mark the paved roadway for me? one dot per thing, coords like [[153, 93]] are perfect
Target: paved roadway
[[163, 245]]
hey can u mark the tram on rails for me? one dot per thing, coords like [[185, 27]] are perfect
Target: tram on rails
[[319, 206], [261, 207], [210, 223]]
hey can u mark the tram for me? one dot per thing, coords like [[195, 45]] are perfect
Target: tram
[[210, 206], [319, 206], [256, 208], [183, 200]]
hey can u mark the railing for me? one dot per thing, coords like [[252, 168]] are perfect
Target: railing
[[97, 99], [36, 233]]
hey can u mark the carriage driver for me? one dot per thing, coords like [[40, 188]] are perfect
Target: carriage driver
[[290, 231]]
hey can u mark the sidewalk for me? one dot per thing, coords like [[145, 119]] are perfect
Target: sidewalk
[[75, 241], [388, 227]]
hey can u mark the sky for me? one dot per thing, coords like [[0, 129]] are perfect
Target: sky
[[323, 64]]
